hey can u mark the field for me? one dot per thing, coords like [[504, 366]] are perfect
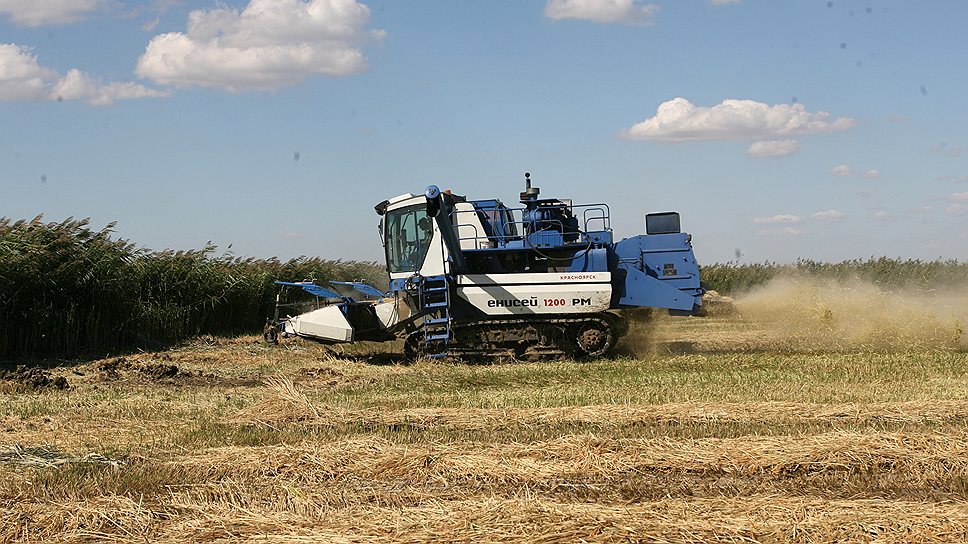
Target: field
[[838, 416]]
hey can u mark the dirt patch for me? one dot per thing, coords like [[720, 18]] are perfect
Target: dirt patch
[[33, 379], [121, 367], [159, 369], [111, 369]]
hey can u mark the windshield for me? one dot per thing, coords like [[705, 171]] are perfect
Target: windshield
[[407, 235]]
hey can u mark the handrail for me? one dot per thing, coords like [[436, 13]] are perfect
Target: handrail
[[590, 215]]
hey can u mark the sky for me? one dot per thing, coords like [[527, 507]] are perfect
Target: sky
[[813, 129]]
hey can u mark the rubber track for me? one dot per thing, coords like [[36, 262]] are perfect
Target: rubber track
[[612, 322]]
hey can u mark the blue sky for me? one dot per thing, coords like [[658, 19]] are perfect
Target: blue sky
[[780, 130]]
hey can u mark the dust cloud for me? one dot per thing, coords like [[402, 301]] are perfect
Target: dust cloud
[[830, 315]]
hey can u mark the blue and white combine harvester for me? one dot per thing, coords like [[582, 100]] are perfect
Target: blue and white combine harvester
[[475, 277]]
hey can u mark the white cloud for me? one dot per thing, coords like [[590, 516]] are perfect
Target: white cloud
[[829, 215], [780, 218], [844, 170], [959, 197], [724, 2], [268, 45], [773, 148], [50, 12], [678, 120], [956, 209], [22, 78], [632, 12], [785, 231], [841, 170], [882, 215]]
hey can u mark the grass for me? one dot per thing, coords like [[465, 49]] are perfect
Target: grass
[[716, 429]]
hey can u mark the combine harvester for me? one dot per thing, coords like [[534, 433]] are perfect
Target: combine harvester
[[477, 278]]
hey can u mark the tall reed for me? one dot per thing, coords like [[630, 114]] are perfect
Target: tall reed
[[887, 273], [67, 289]]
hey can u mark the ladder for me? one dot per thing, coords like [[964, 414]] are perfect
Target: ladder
[[435, 305]]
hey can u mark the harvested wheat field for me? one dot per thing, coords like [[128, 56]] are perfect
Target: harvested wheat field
[[742, 427]]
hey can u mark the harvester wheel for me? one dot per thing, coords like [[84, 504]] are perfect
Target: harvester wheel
[[270, 334], [594, 339], [411, 347]]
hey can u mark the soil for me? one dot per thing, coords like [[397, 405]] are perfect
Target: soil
[[114, 369], [33, 378]]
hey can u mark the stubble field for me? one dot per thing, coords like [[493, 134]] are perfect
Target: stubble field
[[814, 421]]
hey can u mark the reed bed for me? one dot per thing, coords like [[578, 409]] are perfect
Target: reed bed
[[68, 289], [887, 273]]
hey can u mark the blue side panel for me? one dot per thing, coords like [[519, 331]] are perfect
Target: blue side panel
[[642, 289], [367, 290], [661, 272], [594, 260], [312, 289]]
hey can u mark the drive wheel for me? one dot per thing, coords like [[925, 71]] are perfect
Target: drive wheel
[[594, 339], [413, 347], [270, 334]]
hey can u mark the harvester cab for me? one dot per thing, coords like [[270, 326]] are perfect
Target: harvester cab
[[476, 277]]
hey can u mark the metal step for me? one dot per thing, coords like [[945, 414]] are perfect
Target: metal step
[[435, 304]]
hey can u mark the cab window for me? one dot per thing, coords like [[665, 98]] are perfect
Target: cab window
[[407, 234]]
